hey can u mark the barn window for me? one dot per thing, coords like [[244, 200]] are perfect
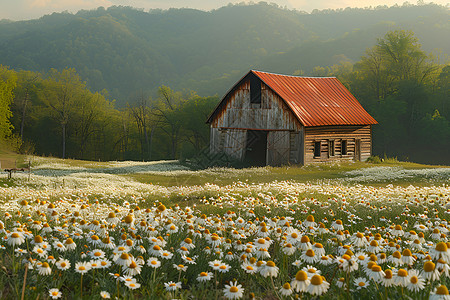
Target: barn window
[[317, 149], [255, 90], [343, 147], [330, 148]]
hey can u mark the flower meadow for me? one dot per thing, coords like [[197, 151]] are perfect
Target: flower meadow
[[105, 236]]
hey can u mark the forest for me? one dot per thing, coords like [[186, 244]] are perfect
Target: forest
[[119, 84]]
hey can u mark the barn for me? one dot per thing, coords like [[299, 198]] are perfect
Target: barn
[[273, 119]]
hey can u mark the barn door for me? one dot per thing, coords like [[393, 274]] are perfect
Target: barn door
[[358, 150], [234, 143], [278, 148]]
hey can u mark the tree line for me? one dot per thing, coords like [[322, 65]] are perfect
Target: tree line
[[404, 88], [407, 91], [56, 114]]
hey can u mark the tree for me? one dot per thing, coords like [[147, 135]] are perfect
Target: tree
[[167, 112], [61, 93], [8, 81]]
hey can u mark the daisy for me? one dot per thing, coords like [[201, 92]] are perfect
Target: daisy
[[288, 249], [105, 295], [429, 271], [309, 256], [223, 268], [407, 257], [44, 269], [376, 273], [233, 290], [311, 271], [70, 244], [123, 259], [269, 270], [440, 251], [132, 285], [401, 278], [440, 293], [204, 276], [300, 282], [286, 290], [39, 251], [416, 282], [249, 268], [388, 279], [215, 264], [153, 262], [180, 267], [82, 267], [172, 286], [55, 293], [361, 283], [318, 285], [15, 238], [63, 264], [133, 268]]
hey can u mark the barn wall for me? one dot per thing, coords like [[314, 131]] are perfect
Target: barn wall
[[271, 114], [324, 134], [230, 125]]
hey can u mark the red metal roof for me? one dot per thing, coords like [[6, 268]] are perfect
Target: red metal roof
[[317, 101]]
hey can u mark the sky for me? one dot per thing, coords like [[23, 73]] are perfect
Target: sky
[[33, 9]]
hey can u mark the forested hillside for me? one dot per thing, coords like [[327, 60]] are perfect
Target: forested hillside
[[127, 84], [128, 51]]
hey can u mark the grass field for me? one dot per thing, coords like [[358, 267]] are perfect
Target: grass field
[[133, 230]]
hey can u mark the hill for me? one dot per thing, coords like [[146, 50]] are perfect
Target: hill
[[126, 51]]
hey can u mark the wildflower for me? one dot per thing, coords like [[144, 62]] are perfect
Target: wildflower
[[82, 267], [429, 271], [44, 269], [300, 282], [309, 256], [105, 295], [180, 267], [317, 286], [388, 279], [132, 285], [361, 283], [204, 276], [15, 239], [172, 286], [133, 268], [153, 262], [63, 264], [233, 291], [286, 290], [401, 278], [249, 268], [123, 259], [269, 270], [55, 293], [223, 268], [440, 293], [416, 282]]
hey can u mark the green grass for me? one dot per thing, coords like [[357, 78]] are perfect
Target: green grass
[[308, 173]]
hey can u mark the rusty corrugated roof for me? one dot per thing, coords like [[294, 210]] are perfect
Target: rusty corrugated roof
[[317, 101]]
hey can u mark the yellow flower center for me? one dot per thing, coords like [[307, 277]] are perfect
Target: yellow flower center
[[414, 279], [301, 276], [316, 280], [233, 289], [442, 290], [286, 286], [361, 283], [429, 266], [441, 247], [310, 253], [270, 264], [402, 273]]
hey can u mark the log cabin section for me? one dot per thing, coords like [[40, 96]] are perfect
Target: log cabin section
[[271, 119]]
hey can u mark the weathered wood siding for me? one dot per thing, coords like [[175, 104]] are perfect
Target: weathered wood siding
[[229, 127], [271, 114], [324, 134]]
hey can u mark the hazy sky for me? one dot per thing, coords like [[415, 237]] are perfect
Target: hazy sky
[[31, 9]]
